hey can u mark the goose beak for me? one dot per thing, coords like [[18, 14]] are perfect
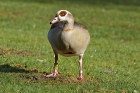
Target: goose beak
[[54, 20]]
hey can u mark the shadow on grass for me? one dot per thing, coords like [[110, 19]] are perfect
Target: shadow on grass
[[26, 75], [6, 68]]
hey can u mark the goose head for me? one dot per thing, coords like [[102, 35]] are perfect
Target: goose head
[[63, 16]]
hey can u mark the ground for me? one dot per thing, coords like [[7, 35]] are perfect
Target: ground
[[110, 63]]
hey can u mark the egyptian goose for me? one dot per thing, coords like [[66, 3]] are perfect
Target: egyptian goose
[[67, 38]]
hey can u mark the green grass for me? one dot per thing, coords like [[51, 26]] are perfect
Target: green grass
[[111, 62]]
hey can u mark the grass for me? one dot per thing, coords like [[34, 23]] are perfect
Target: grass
[[111, 61]]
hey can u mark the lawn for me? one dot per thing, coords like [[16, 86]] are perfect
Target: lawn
[[111, 63]]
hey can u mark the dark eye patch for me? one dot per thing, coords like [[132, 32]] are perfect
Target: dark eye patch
[[62, 13], [56, 15]]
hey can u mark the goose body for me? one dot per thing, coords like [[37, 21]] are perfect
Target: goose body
[[68, 43], [67, 38]]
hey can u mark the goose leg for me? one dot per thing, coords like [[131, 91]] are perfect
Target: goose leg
[[80, 71], [55, 73]]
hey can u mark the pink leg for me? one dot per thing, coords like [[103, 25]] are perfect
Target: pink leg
[[80, 64], [55, 73]]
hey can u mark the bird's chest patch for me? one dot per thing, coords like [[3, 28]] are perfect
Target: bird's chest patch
[[66, 35]]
